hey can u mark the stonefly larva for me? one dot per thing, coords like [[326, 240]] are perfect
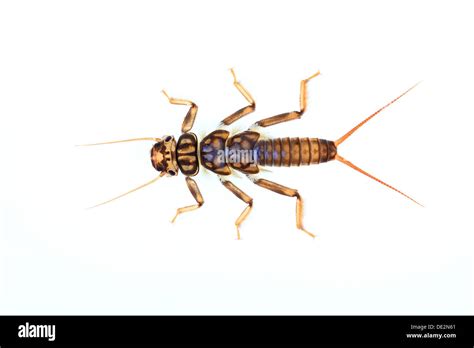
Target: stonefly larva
[[221, 153]]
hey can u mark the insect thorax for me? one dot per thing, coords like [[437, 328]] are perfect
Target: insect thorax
[[219, 153], [187, 155]]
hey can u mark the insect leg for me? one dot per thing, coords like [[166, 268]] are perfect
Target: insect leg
[[246, 109], [194, 189], [243, 197], [286, 191], [288, 116], [190, 116]]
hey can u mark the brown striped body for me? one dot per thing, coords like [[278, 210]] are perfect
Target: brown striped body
[[245, 152], [288, 152]]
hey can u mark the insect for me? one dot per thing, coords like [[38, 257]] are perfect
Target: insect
[[246, 152]]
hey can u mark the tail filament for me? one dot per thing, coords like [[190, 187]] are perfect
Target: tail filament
[[353, 166], [348, 134]]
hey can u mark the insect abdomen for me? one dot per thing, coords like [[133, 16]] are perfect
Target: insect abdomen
[[287, 152]]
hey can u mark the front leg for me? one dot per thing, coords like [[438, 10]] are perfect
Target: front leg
[[194, 189], [285, 191], [190, 116]]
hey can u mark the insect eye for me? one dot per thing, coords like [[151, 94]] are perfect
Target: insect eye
[[168, 138], [172, 173]]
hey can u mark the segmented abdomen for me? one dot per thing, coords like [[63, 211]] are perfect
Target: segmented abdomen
[[287, 152]]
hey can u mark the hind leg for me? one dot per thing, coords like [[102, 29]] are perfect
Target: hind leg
[[289, 192], [288, 116]]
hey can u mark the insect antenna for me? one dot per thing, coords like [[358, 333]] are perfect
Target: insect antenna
[[348, 134], [133, 190], [121, 141]]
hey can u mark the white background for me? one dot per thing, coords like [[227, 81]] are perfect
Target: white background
[[85, 71]]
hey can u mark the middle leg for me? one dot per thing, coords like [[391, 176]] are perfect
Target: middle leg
[[246, 109], [243, 197]]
